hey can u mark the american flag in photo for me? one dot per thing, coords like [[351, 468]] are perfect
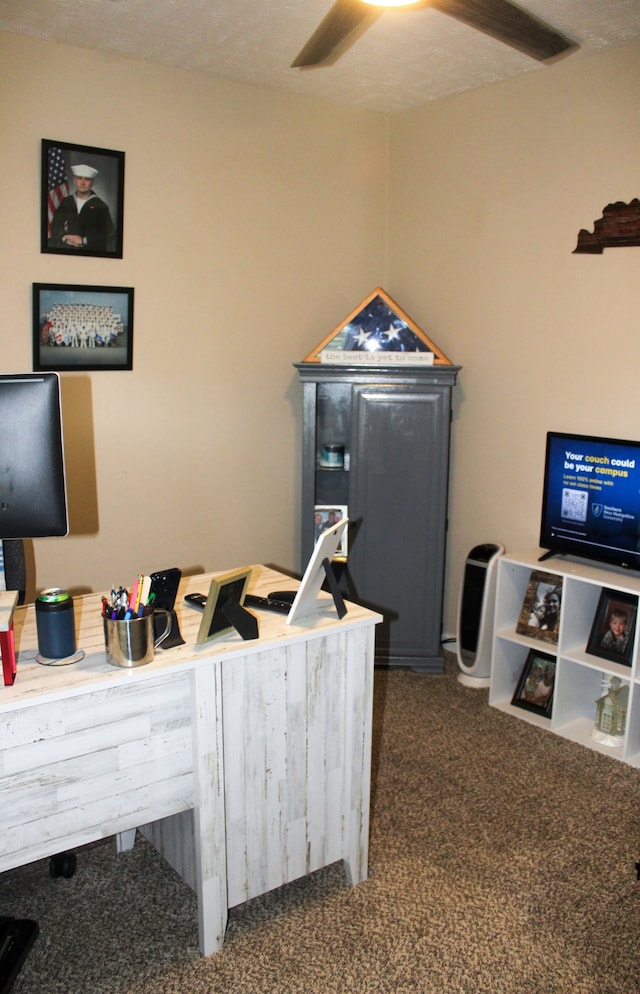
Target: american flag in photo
[[57, 185]]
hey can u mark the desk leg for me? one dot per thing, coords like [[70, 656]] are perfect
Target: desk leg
[[125, 840], [208, 815], [8, 650], [358, 721]]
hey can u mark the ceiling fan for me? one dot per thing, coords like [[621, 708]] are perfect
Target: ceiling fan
[[347, 20]]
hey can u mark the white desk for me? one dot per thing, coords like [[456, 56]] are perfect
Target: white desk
[[246, 763]]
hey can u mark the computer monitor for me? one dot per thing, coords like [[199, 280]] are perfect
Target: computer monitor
[[33, 500]]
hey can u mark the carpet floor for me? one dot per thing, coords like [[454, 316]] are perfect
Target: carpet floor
[[502, 859]]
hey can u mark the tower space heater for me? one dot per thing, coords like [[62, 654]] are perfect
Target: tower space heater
[[475, 615]]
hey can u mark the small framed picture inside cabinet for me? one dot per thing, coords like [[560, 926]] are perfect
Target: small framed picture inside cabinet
[[325, 517]]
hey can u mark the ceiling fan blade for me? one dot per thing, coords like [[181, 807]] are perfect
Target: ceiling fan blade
[[509, 24], [345, 22]]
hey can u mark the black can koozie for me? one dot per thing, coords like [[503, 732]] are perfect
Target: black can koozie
[[55, 624]]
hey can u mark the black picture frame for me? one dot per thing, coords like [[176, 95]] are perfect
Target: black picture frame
[[534, 690], [540, 614], [602, 641], [99, 225], [230, 587], [77, 328]]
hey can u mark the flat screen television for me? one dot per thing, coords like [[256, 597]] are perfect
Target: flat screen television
[[33, 501], [591, 499]]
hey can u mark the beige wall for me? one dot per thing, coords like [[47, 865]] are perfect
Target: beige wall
[[488, 192], [253, 222]]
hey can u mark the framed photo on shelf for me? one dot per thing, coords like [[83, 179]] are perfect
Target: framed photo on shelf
[[82, 200], [327, 515], [540, 614], [534, 691], [217, 620], [612, 632], [82, 327]]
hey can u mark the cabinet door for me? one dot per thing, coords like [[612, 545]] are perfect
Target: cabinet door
[[397, 504]]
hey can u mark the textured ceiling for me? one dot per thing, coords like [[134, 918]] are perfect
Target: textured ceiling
[[408, 57]]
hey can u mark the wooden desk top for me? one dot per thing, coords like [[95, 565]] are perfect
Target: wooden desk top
[[8, 600], [35, 681]]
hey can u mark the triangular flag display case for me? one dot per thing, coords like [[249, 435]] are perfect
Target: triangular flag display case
[[379, 331], [376, 424]]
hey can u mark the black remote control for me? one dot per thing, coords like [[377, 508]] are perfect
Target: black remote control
[[267, 604], [198, 601]]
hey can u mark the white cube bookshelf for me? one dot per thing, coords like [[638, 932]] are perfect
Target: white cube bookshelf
[[580, 675]]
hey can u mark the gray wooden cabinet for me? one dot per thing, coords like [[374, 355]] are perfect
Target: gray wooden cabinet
[[394, 424]]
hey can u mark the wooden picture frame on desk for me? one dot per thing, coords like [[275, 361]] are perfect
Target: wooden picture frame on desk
[[227, 587]]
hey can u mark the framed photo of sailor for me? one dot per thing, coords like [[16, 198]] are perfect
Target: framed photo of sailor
[[82, 200], [82, 327]]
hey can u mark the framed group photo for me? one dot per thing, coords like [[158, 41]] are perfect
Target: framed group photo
[[534, 691], [82, 327], [82, 200], [540, 614], [614, 625]]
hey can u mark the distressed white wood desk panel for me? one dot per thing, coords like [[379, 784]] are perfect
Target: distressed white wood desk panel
[[106, 759], [91, 750], [297, 762]]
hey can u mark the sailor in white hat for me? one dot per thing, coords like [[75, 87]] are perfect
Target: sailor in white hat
[[86, 172], [82, 220]]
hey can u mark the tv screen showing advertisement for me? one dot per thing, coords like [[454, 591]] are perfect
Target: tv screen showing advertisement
[[591, 499]]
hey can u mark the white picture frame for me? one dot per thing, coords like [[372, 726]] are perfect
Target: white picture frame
[[306, 600]]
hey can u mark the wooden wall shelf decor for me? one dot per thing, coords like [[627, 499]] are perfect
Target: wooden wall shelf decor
[[619, 226]]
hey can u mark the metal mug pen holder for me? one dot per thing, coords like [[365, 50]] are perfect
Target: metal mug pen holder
[[133, 642]]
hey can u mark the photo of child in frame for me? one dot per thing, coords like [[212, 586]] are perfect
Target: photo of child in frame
[[612, 633]]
